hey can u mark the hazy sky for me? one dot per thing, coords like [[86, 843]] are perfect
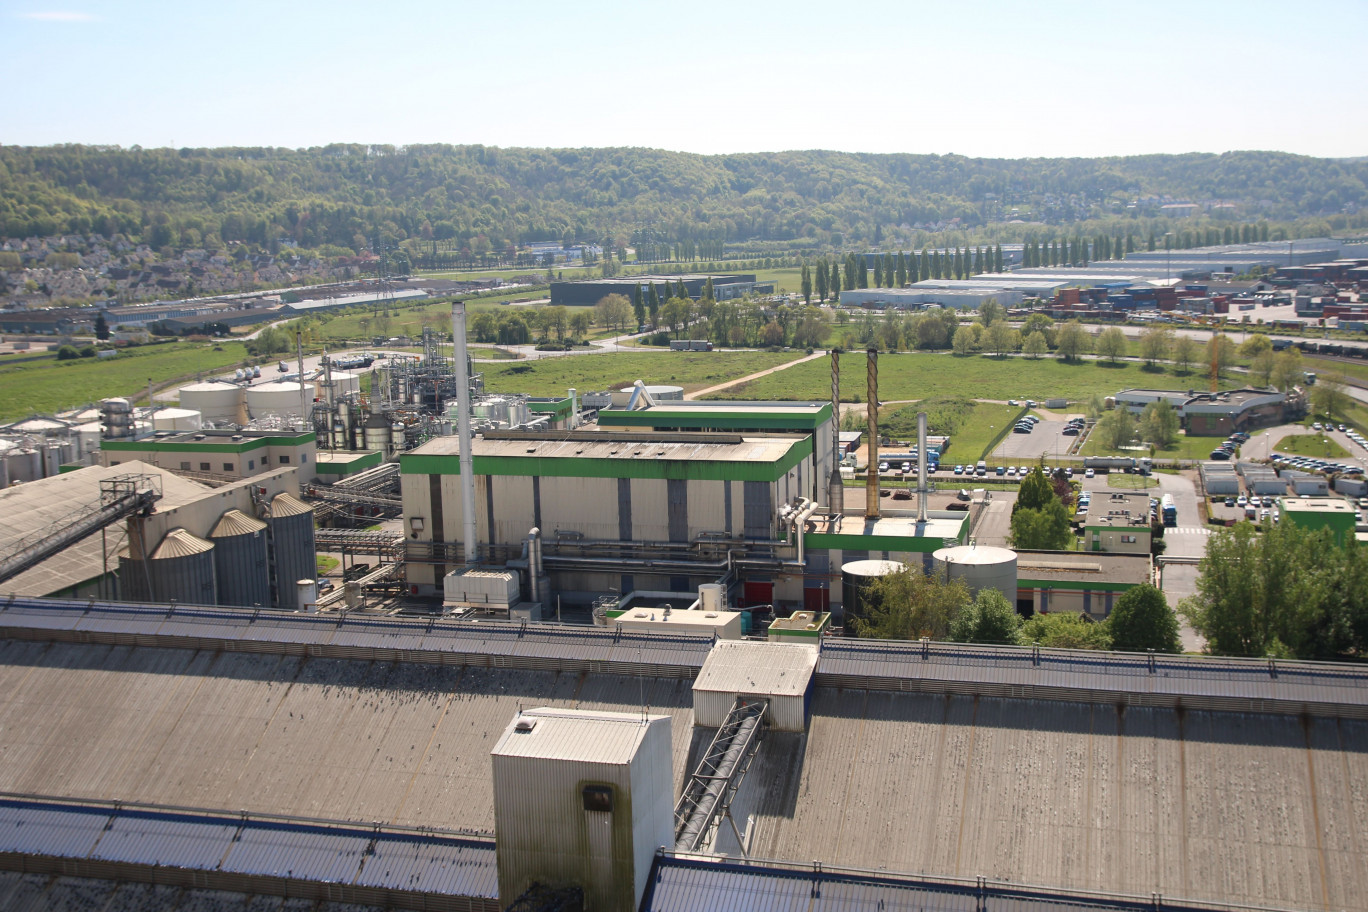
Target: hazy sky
[[976, 77]]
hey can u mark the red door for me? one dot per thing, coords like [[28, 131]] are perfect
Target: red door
[[817, 599], [759, 593]]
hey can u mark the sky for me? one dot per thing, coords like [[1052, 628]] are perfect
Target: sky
[[972, 77]]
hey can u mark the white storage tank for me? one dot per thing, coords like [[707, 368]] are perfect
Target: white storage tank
[[710, 597], [661, 393], [277, 397], [216, 401], [856, 578], [177, 419], [343, 383], [582, 798], [980, 567]]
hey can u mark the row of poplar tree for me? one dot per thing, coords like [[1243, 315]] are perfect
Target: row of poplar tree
[[829, 278]]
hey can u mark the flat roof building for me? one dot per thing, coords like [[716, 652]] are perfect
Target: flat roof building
[[1333, 513], [1082, 582], [726, 286], [214, 455], [1218, 414]]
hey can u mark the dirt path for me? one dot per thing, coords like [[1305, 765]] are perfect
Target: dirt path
[[698, 394]]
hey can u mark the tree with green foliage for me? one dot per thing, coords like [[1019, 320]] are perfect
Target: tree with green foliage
[[1290, 591], [1071, 341], [991, 311], [1111, 344], [909, 604], [1159, 423], [1044, 529], [1186, 351], [990, 618], [1261, 368], [1255, 345], [900, 271], [1116, 429], [1155, 343], [1330, 396], [653, 306], [101, 327], [1142, 620], [878, 272], [1287, 369], [1001, 339], [862, 272], [821, 278], [1066, 630], [963, 342], [1035, 346], [638, 306], [806, 283], [1035, 491]]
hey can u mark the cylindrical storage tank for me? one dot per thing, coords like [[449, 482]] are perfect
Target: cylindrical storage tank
[[306, 591], [277, 397], [377, 433], [342, 384], [176, 419], [856, 578], [661, 393], [180, 569], [710, 597], [244, 578], [292, 542], [981, 568], [218, 402]]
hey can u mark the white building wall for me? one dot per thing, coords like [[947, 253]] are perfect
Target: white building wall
[[585, 505], [650, 510], [707, 507]]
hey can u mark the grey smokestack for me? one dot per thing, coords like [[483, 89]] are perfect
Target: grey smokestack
[[921, 467], [872, 410], [469, 543]]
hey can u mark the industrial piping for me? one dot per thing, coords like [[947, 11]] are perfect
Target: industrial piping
[[469, 543], [872, 410]]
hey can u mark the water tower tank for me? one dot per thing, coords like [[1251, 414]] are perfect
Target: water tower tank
[[980, 567], [218, 402], [180, 569], [856, 578], [240, 560], [292, 541]]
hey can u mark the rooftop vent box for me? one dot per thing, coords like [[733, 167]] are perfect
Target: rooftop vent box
[[582, 799]]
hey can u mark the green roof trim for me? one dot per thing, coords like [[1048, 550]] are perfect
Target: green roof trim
[[701, 418], [560, 408], [1077, 585], [152, 444], [585, 467]]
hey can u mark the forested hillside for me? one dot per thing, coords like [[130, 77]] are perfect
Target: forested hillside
[[478, 196]]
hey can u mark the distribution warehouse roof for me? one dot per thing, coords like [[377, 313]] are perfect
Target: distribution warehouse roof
[[599, 454], [722, 416]]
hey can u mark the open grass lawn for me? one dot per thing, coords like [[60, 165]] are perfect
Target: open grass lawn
[[923, 375], [974, 427], [691, 370], [49, 386], [1312, 444], [1184, 448], [1356, 369]]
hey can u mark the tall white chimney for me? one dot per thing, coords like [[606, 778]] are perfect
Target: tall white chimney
[[469, 544]]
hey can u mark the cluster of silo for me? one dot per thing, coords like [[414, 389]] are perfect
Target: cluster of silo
[[242, 563], [293, 555], [241, 560], [180, 569]]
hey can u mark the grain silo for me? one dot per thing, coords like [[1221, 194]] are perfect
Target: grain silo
[[980, 567], [181, 569], [240, 560], [217, 401], [293, 557], [856, 578]]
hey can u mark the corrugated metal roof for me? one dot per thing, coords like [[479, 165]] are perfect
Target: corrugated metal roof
[[175, 840], [584, 736], [322, 854], [180, 543], [29, 827], [437, 865], [235, 522], [773, 669]]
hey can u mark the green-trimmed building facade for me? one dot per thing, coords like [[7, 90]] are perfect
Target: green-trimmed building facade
[[225, 455]]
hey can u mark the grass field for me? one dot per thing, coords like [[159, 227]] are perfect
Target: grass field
[[1356, 369], [691, 370], [1310, 445], [929, 374], [50, 386], [974, 427], [1184, 448]]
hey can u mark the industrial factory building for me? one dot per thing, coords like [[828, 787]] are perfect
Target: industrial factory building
[[1219, 414], [219, 455], [591, 291]]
